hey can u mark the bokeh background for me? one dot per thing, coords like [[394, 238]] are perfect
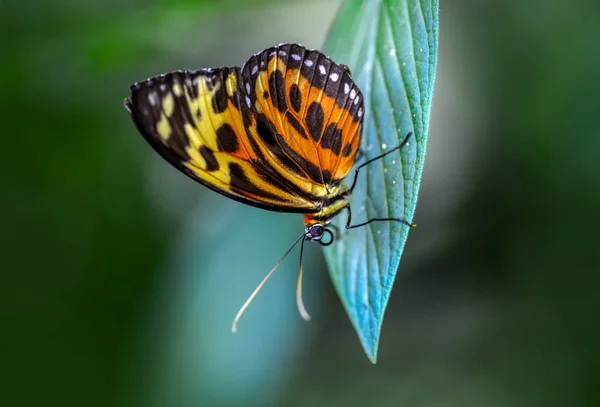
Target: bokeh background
[[120, 276]]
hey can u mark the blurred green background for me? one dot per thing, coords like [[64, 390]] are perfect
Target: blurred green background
[[118, 288]]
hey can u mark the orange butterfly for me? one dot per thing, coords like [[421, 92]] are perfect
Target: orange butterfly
[[280, 133]]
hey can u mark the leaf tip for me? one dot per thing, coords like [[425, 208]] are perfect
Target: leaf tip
[[372, 355], [370, 344]]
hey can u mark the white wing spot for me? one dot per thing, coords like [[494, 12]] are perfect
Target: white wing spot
[[334, 76], [308, 62], [296, 57], [273, 53], [152, 98], [346, 88], [163, 87], [248, 101], [352, 94], [322, 70], [356, 100], [247, 87], [254, 69], [282, 52], [360, 112]]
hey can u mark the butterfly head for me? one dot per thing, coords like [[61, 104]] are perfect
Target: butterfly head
[[316, 233]]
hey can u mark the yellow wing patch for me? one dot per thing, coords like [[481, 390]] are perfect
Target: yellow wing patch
[[195, 121]]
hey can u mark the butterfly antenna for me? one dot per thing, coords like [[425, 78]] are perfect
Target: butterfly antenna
[[257, 289], [303, 313]]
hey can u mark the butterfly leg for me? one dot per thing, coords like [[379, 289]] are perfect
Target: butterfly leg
[[349, 220], [398, 147]]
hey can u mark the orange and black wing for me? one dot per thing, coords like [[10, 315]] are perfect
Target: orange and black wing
[[200, 122], [308, 110]]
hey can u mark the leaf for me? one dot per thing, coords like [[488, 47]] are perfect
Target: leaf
[[391, 48]]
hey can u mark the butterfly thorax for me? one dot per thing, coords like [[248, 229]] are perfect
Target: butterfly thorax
[[333, 204]]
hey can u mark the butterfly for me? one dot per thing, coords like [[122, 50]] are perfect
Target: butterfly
[[280, 133]]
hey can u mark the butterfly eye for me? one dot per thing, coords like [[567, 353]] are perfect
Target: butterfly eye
[[315, 232]]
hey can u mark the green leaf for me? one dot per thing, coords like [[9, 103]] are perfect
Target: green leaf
[[391, 48]]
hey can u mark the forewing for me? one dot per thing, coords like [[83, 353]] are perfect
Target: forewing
[[198, 121], [313, 108]]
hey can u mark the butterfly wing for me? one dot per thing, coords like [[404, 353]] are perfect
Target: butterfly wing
[[198, 121], [312, 109]]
